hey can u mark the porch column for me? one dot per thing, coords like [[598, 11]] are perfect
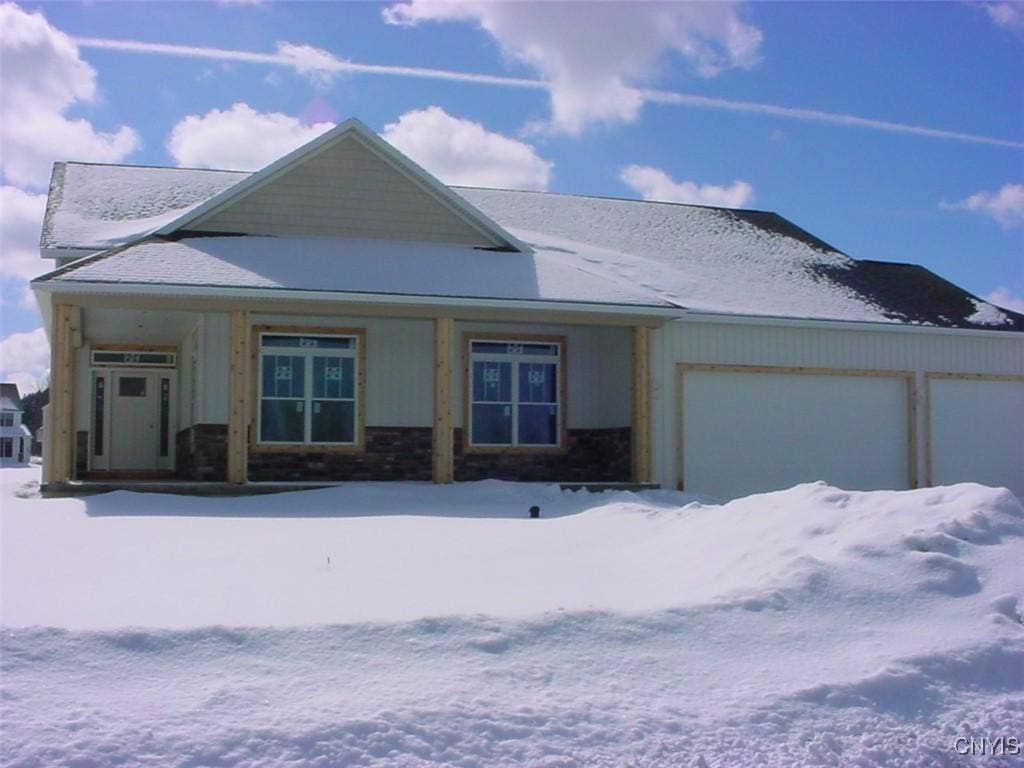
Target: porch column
[[641, 423], [443, 450], [238, 398], [60, 431]]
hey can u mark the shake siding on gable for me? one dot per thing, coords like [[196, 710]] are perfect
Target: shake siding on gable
[[345, 191]]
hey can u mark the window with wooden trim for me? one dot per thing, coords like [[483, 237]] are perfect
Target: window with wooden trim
[[308, 389], [138, 358], [515, 393]]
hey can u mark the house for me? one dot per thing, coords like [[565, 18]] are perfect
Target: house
[[15, 439], [342, 315]]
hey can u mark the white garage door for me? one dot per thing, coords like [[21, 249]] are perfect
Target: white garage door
[[746, 430], [976, 431]]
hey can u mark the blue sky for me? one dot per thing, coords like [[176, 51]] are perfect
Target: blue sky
[[806, 111]]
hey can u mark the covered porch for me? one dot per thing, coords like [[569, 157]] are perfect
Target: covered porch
[[162, 393]]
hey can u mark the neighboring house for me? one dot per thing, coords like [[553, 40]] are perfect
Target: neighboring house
[[15, 439], [342, 315]]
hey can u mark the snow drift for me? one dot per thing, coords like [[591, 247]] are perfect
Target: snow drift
[[414, 625]]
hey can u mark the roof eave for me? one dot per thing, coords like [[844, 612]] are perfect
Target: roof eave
[[736, 318], [81, 287]]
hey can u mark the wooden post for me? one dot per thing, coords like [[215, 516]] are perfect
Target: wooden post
[[60, 432], [641, 431], [912, 479], [443, 450], [238, 390]]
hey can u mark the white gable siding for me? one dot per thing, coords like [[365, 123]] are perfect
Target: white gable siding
[[345, 191]]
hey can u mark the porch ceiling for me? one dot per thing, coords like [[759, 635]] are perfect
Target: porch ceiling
[[143, 326]]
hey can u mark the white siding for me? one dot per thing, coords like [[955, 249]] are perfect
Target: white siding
[[780, 344], [346, 191], [597, 371], [400, 367], [214, 342], [750, 432], [977, 432]]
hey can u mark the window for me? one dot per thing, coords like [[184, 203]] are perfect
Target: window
[[134, 358], [6, 419], [515, 393], [308, 389], [99, 401], [6, 447], [131, 386]]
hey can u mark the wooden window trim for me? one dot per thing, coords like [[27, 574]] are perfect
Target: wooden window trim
[[254, 365], [468, 337]]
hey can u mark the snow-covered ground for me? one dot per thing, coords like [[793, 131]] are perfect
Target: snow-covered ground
[[412, 625]]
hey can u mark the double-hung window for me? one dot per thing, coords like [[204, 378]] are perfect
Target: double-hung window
[[308, 389], [515, 393]]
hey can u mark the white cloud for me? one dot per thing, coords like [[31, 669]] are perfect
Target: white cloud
[[1007, 15], [41, 77], [21, 218], [320, 66], [1005, 206], [460, 151], [239, 138], [654, 184], [674, 98], [1006, 299], [25, 359], [596, 55]]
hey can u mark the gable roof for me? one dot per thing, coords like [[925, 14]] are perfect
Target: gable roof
[[140, 206], [95, 206], [350, 130], [578, 248], [10, 400]]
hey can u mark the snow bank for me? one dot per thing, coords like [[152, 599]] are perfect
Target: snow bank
[[810, 626]]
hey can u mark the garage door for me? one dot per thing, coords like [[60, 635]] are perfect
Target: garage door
[[746, 429], [976, 430]]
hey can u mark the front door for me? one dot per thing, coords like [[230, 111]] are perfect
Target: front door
[[135, 421]]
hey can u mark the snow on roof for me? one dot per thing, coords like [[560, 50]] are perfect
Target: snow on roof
[[93, 206], [17, 431], [585, 249], [701, 258], [358, 266], [987, 314], [10, 399]]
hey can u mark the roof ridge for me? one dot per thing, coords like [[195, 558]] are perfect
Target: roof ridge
[[152, 167], [617, 199]]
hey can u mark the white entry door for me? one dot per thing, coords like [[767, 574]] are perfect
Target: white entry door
[[135, 421]]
